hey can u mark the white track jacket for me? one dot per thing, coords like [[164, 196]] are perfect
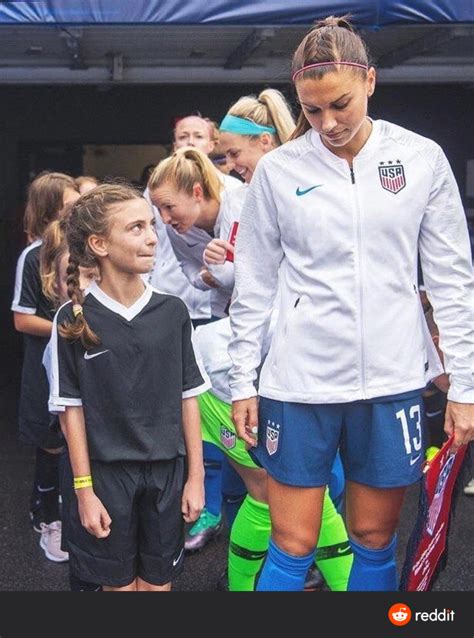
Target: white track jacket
[[345, 244]]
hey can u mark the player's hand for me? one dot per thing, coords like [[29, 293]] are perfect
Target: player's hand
[[459, 420], [245, 418], [215, 251]]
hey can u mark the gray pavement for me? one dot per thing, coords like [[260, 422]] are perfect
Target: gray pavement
[[23, 566]]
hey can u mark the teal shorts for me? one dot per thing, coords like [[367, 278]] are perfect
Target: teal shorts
[[217, 427]]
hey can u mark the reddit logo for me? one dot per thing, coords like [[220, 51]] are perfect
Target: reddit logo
[[399, 614]]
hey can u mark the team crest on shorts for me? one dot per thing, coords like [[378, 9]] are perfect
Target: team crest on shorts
[[272, 437], [392, 176], [227, 438]]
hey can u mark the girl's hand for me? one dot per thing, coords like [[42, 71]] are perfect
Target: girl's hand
[[94, 516], [459, 420], [215, 251], [245, 418], [192, 502]]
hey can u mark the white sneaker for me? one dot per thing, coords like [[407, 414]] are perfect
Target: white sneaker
[[469, 488], [50, 542]]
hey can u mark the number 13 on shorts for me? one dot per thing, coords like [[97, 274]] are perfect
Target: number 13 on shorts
[[412, 444]]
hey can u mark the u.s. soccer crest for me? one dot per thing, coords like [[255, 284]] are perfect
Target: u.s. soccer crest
[[392, 176], [227, 438], [272, 439]]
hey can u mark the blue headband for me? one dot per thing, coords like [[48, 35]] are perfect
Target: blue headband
[[241, 126]]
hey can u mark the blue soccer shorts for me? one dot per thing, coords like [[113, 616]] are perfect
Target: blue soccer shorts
[[380, 440]]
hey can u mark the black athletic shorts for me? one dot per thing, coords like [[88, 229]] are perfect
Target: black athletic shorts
[[147, 531]]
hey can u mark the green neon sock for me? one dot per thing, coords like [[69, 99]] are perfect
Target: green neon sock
[[249, 538], [333, 553]]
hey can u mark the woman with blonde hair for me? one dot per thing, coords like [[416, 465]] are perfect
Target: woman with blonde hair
[[188, 193]]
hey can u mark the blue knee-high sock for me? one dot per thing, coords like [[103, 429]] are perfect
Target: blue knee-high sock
[[373, 569], [282, 572], [212, 477], [233, 491], [337, 483]]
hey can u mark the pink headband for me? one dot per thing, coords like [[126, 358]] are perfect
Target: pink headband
[[313, 66]]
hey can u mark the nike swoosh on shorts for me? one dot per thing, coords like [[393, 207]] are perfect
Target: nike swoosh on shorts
[[176, 560], [96, 354]]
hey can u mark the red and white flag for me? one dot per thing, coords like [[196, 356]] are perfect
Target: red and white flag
[[426, 552]]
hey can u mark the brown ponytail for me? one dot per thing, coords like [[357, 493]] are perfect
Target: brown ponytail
[[52, 249], [78, 328], [44, 201]]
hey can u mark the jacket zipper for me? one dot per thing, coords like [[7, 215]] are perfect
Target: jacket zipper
[[361, 317]]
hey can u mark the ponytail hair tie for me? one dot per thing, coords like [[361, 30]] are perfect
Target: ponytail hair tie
[[77, 310]]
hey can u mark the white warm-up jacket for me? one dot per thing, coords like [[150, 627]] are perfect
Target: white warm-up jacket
[[229, 213], [345, 244], [189, 248], [167, 276]]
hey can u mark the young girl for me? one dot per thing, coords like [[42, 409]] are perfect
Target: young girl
[[125, 370], [33, 312], [54, 260], [338, 215]]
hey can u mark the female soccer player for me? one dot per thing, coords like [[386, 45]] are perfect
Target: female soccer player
[[338, 215]]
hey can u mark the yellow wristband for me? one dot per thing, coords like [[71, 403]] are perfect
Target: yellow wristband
[[82, 481]]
